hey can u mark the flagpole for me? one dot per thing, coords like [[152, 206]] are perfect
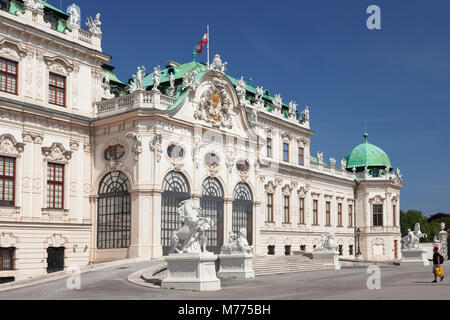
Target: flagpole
[[208, 47]]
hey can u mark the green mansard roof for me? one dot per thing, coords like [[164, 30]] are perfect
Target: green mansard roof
[[181, 70], [367, 155]]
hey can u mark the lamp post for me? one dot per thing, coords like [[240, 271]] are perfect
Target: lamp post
[[358, 253]]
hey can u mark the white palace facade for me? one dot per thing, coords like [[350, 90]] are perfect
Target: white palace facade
[[92, 169]]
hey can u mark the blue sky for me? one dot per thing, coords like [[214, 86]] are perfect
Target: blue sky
[[318, 53]]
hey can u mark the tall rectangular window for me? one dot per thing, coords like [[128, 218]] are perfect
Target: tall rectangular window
[[350, 215], [269, 217], [301, 156], [7, 181], [316, 212], [287, 217], [302, 211], [339, 214], [57, 90], [269, 147], [55, 186], [378, 215], [394, 215], [328, 213], [286, 152], [7, 259], [8, 76]]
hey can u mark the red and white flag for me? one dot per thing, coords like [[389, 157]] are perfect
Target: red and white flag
[[199, 47]]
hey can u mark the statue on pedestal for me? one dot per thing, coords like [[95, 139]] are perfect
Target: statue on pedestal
[[327, 243]]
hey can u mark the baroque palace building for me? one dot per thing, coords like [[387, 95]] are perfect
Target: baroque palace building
[[92, 169]]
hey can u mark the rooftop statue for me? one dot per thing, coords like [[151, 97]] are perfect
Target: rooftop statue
[[139, 77], [327, 243], [343, 164], [320, 157], [412, 240], [218, 65], [156, 77], [240, 91], [191, 237], [278, 102], [190, 81], [333, 163], [292, 108], [238, 244], [94, 25], [74, 20], [305, 116], [172, 80], [259, 95], [34, 4]]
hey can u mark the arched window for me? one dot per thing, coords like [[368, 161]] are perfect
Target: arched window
[[212, 207], [242, 217], [114, 212], [175, 190]]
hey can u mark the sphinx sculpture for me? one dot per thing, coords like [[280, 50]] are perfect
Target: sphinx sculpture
[[238, 244], [327, 243]]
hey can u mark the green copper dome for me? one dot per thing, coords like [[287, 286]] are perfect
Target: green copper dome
[[367, 154]]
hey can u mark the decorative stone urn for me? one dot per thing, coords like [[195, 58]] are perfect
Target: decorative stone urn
[[236, 258], [326, 252], [190, 266]]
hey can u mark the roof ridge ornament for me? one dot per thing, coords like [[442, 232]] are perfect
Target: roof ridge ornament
[[218, 65]]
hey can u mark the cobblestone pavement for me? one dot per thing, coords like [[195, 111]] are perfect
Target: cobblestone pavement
[[349, 283]]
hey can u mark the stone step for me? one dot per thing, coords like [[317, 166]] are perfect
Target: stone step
[[267, 265]]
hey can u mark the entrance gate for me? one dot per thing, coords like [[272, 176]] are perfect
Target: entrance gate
[[55, 259], [212, 207], [243, 210]]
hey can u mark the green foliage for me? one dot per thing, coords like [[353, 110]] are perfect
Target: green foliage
[[409, 219]]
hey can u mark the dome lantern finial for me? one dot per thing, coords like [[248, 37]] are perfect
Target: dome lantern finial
[[366, 135]]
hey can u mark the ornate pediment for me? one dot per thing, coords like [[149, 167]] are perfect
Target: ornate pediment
[[8, 240], [377, 200], [56, 240], [302, 192], [59, 65], [57, 152], [270, 187], [215, 107], [11, 50], [287, 190], [9, 146]]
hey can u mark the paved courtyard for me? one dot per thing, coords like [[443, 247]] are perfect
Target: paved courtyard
[[348, 283]]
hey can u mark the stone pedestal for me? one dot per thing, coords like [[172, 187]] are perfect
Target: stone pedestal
[[415, 257], [238, 266], [443, 248], [195, 272], [327, 258]]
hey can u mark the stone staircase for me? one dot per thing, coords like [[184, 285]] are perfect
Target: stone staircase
[[269, 265]]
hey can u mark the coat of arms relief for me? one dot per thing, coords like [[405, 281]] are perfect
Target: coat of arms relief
[[215, 107]]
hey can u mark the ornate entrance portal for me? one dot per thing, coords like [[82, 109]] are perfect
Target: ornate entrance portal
[[176, 189], [212, 207], [243, 210]]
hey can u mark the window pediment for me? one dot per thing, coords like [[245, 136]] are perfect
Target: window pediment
[[9, 146], [57, 153], [59, 65], [11, 50]]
